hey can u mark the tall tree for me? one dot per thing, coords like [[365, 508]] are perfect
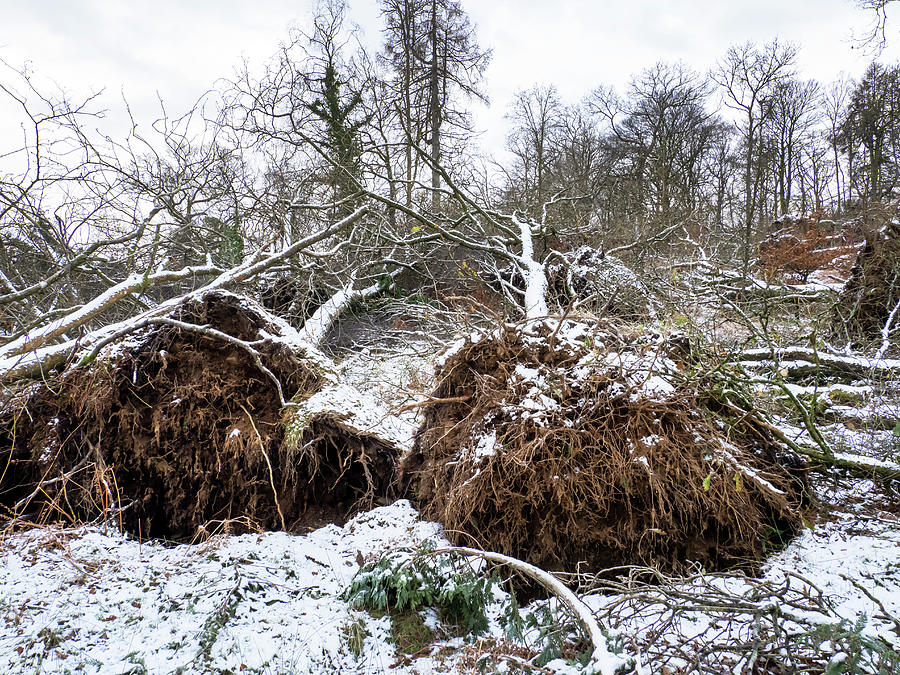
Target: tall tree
[[794, 115], [748, 74], [871, 129], [537, 117], [436, 63]]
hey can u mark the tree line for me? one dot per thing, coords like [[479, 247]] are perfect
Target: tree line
[[366, 166]]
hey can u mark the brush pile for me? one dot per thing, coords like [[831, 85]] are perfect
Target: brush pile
[[567, 443], [184, 427]]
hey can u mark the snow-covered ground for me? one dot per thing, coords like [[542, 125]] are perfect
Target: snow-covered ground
[[81, 600]]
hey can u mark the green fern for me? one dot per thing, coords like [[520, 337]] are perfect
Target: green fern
[[404, 580]]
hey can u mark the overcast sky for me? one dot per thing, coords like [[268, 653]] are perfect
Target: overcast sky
[[178, 49]]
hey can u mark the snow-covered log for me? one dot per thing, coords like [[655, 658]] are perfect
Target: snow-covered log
[[535, 274], [316, 327], [805, 361], [134, 284]]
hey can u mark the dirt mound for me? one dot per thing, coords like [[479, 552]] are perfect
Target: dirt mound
[[571, 444], [178, 429], [873, 288]]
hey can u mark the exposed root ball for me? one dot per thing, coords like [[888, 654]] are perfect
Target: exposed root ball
[[873, 289], [574, 444], [175, 430], [600, 282]]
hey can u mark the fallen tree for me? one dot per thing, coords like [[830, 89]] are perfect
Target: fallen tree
[[800, 362], [563, 443], [587, 279], [39, 351], [200, 416]]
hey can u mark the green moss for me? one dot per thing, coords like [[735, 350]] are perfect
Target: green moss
[[409, 634], [846, 397]]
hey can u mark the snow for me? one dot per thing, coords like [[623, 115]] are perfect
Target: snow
[[91, 600], [102, 603], [839, 559], [392, 380], [356, 410], [643, 372], [486, 446], [725, 452]]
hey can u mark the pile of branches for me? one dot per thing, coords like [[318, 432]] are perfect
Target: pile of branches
[[182, 427], [731, 622], [564, 443]]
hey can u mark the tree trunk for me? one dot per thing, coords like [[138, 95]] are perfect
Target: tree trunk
[[435, 111]]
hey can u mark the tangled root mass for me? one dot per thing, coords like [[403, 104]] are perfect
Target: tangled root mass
[[566, 445], [176, 431]]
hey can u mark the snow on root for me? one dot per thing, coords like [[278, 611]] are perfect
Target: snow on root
[[177, 429], [562, 443]]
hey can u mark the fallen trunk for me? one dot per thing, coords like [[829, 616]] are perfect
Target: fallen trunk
[[803, 361]]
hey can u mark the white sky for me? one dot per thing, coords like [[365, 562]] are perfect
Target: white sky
[[179, 48]]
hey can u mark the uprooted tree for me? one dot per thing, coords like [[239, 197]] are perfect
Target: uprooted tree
[[215, 413], [569, 443], [620, 453]]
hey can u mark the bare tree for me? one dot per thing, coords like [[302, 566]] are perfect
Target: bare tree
[[747, 74], [433, 53], [536, 116], [835, 101], [794, 114]]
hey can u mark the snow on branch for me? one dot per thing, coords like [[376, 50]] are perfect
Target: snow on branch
[[34, 353]]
